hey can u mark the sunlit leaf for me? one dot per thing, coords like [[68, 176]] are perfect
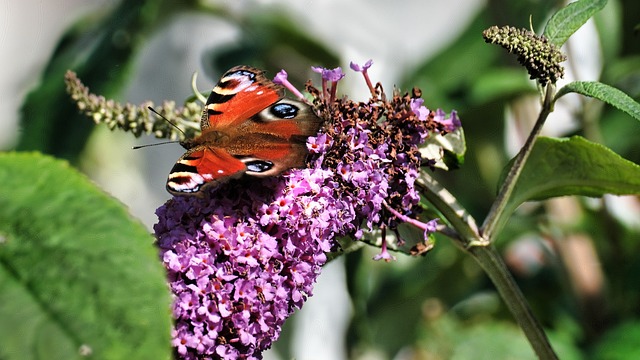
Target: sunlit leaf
[[604, 92], [78, 276], [570, 18], [574, 166]]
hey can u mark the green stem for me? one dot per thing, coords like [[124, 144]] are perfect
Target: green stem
[[495, 217], [449, 207], [469, 238], [491, 262]]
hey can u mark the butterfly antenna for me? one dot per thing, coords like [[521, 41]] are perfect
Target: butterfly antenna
[[165, 142], [167, 120], [161, 143]]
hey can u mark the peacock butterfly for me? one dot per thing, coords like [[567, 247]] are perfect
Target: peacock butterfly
[[248, 127]]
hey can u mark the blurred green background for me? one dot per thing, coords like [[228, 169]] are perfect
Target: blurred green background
[[576, 259]]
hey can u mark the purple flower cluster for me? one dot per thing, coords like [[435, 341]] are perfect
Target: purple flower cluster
[[241, 258], [240, 262]]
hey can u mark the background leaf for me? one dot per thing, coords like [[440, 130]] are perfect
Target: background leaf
[[445, 78], [449, 337], [271, 41], [100, 52], [570, 18], [575, 166], [498, 84], [604, 92], [76, 273], [620, 343]]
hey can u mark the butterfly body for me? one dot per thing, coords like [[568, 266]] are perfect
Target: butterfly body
[[248, 127]]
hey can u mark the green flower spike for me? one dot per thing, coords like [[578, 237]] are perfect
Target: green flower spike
[[137, 119], [541, 58]]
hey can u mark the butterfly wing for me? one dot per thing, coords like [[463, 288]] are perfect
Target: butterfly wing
[[200, 166], [241, 93], [274, 140]]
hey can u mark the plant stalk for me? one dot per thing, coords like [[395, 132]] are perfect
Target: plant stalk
[[494, 218], [491, 262], [486, 255]]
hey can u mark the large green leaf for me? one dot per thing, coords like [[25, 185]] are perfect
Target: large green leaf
[[77, 275], [570, 18], [574, 166], [603, 92]]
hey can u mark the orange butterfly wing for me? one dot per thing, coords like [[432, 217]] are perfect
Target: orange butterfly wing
[[241, 93], [199, 166]]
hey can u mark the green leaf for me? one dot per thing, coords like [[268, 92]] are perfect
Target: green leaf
[[500, 84], [450, 73], [570, 18], [574, 166], [606, 93], [609, 25], [620, 342], [77, 274], [625, 73], [450, 337], [448, 150]]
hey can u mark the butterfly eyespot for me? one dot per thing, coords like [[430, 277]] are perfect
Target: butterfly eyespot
[[258, 166], [284, 111]]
